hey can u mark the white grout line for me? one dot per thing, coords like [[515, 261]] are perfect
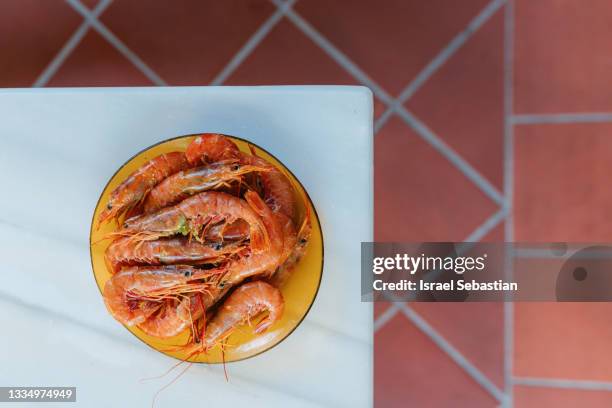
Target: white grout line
[[572, 252], [333, 52], [252, 43], [508, 126], [68, 47], [440, 59], [451, 155], [412, 121], [508, 353], [116, 42], [385, 317], [563, 383], [452, 352], [531, 119], [474, 236], [487, 226], [509, 196], [422, 130], [451, 48], [382, 119]]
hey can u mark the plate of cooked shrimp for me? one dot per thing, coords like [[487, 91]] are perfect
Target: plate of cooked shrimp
[[207, 248]]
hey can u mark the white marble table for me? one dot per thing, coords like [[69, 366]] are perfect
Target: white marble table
[[58, 147]]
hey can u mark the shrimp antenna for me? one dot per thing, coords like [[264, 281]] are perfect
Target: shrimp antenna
[[224, 365], [143, 380], [306, 221], [169, 384]]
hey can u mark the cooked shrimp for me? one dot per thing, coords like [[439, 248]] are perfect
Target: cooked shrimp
[[210, 148], [192, 181], [134, 294], [133, 190], [277, 192], [245, 303], [252, 264], [263, 261], [194, 215], [214, 147], [277, 189], [298, 250], [167, 251], [174, 316]]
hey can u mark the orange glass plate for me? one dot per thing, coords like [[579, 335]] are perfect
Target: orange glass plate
[[299, 292]]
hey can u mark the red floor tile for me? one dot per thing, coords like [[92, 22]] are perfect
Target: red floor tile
[[475, 329], [186, 42], [97, 63], [390, 40], [31, 34], [560, 176], [529, 397], [463, 102], [563, 340], [419, 195], [287, 57], [560, 171], [562, 56], [411, 371]]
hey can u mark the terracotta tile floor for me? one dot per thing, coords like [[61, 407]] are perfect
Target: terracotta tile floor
[[401, 158], [31, 33], [563, 60], [470, 78], [94, 62], [529, 397]]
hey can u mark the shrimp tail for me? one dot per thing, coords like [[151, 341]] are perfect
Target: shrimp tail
[[246, 302]]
